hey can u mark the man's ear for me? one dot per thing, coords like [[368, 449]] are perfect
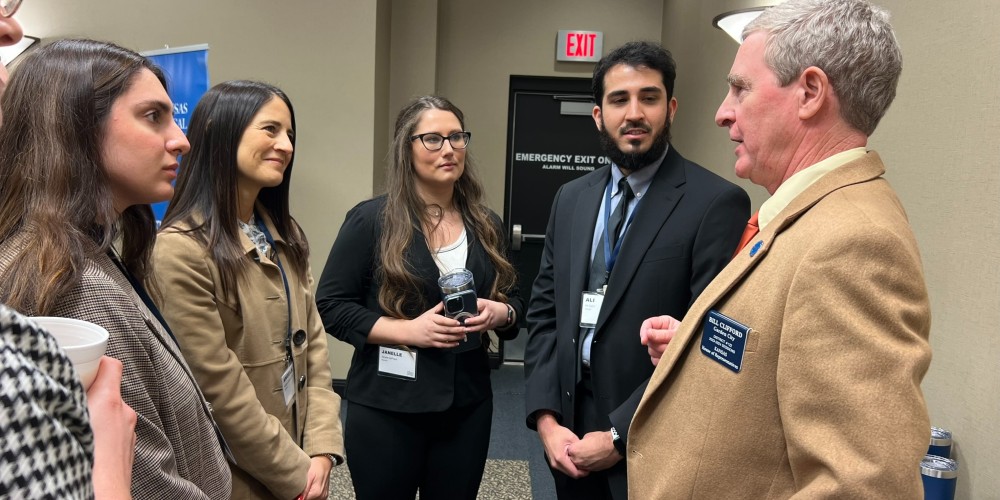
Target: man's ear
[[671, 110], [598, 118], [814, 92]]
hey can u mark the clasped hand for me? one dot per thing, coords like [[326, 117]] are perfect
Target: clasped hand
[[593, 452], [318, 479], [432, 329], [576, 457]]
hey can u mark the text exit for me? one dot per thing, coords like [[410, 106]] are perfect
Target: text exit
[[580, 44], [574, 45]]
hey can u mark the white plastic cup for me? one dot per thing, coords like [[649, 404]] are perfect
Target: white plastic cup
[[83, 341]]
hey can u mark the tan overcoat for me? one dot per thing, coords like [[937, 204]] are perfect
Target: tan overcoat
[[235, 346], [827, 401]]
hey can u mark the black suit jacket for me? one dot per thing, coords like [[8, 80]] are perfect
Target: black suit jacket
[[347, 299], [683, 233]]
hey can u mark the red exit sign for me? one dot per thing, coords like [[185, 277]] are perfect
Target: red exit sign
[[574, 45]]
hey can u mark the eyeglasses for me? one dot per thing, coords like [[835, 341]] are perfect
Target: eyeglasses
[[9, 7], [434, 141]]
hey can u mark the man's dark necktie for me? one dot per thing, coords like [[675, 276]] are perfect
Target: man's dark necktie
[[598, 268], [618, 217]]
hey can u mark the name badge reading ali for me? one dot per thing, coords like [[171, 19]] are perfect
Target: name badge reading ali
[[590, 309]]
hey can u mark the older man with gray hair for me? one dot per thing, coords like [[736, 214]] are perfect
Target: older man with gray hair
[[796, 373]]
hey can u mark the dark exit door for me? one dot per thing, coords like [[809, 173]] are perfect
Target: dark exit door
[[551, 139]]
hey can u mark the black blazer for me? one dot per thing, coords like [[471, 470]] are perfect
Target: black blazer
[[347, 299], [683, 233]]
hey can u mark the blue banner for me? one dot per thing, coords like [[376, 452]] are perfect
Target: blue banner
[[186, 69]]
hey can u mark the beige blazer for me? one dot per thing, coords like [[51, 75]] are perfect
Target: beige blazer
[[827, 403], [235, 347]]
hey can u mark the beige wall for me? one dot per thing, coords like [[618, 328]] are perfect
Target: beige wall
[[413, 58], [322, 53], [939, 141], [383, 65], [703, 55]]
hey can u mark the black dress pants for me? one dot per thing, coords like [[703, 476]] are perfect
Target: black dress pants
[[593, 486], [391, 454]]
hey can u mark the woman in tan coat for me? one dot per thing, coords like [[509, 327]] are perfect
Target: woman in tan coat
[[233, 270]]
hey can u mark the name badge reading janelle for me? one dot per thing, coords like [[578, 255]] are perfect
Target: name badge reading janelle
[[590, 309], [724, 340], [397, 363]]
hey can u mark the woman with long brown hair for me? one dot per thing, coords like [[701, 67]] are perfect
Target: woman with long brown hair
[[88, 142], [420, 399], [233, 266], [58, 441]]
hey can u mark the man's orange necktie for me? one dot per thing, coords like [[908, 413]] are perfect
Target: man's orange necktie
[[748, 233]]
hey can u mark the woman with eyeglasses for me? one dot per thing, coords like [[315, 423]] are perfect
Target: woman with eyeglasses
[[420, 402], [233, 266]]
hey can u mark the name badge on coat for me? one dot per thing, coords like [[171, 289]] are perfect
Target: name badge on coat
[[288, 384], [724, 340]]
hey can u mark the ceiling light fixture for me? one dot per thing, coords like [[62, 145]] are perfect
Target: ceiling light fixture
[[736, 14]]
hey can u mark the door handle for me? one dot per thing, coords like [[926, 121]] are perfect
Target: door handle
[[517, 237]]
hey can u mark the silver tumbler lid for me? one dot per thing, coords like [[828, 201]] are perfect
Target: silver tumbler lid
[[939, 467], [456, 280], [940, 437]]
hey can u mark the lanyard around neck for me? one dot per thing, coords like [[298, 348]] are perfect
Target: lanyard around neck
[[141, 292], [284, 281]]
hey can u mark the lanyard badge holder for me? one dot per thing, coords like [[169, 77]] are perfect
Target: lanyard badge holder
[[288, 376], [593, 300]]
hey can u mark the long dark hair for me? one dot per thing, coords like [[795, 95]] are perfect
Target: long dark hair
[[405, 212], [206, 195], [53, 186]]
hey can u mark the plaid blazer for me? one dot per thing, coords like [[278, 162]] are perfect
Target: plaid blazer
[[177, 452]]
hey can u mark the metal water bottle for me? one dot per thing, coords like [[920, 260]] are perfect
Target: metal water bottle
[[939, 476], [940, 442]]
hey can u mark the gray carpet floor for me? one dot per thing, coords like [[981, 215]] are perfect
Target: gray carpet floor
[[515, 468]]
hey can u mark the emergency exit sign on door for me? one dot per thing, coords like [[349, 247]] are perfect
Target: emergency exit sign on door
[[581, 46]]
